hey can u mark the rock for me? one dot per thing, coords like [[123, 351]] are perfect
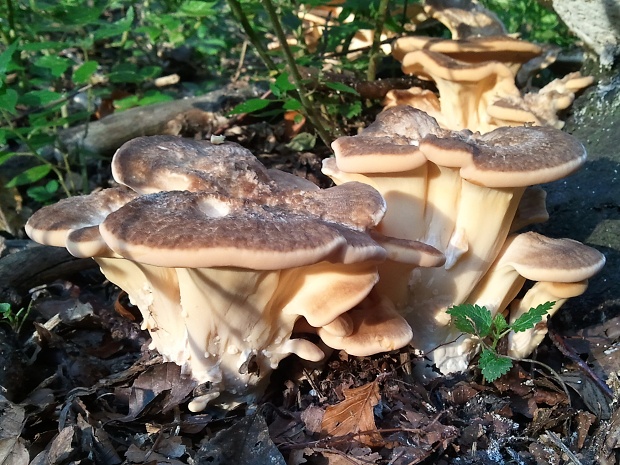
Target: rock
[[596, 22]]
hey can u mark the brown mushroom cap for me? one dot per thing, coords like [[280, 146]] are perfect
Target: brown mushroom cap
[[540, 258], [508, 157], [464, 18], [389, 144], [195, 229], [166, 163], [52, 224]]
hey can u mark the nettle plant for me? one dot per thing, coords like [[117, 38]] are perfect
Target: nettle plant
[[490, 330], [59, 59]]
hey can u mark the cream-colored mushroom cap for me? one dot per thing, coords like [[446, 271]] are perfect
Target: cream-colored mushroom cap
[[184, 229], [512, 52], [508, 156]]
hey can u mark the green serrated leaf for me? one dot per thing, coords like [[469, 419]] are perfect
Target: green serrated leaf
[[249, 106], [530, 318], [29, 176], [340, 87], [500, 324], [85, 71], [493, 365], [471, 319]]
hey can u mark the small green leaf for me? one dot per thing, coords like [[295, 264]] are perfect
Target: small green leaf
[[249, 106], [4, 156], [57, 65], [5, 308], [529, 319], [154, 97], [292, 104], [6, 57], [500, 324], [29, 176], [340, 87], [283, 83], [493, 365], [85, 71], [8, 100], [39, 97], [302, 141], [471, 319], [119, 27], [197, 8], [43, 194]]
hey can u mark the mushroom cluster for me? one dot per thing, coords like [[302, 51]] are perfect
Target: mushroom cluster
[[465, 193], [475, 78], [225, 259]]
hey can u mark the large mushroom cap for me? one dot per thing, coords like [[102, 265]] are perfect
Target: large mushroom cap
[[195, 229], [508, 157], [165, 163]]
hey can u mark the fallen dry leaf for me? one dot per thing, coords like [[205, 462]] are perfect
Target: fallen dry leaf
[[354, 415]]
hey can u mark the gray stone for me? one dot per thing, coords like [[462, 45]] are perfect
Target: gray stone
[[596, 22]]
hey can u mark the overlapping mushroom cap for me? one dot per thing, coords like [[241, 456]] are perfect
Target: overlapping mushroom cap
[[223, 257], [455, 190]]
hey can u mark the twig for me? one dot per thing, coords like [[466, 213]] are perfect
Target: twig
[[558, 442], [235, 6], [567, 351], [304, 97], [244, 49], [376, 39]]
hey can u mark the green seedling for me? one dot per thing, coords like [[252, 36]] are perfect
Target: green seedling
[[478, 321], [14, 319]]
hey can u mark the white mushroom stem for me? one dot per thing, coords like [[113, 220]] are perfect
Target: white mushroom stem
[[433, 290], [405, 192], [521, 345], [155, 291]]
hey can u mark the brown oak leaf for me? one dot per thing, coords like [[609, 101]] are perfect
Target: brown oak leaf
[[354, 415]]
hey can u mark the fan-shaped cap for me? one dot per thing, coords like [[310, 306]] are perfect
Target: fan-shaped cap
[[540, 258], [195, 229], [51, 225], [507, 50], [508, 156], [389, 144], [166, 163]]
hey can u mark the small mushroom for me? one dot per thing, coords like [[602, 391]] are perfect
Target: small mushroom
[[464, 18], [465, 89], [504, 49]]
